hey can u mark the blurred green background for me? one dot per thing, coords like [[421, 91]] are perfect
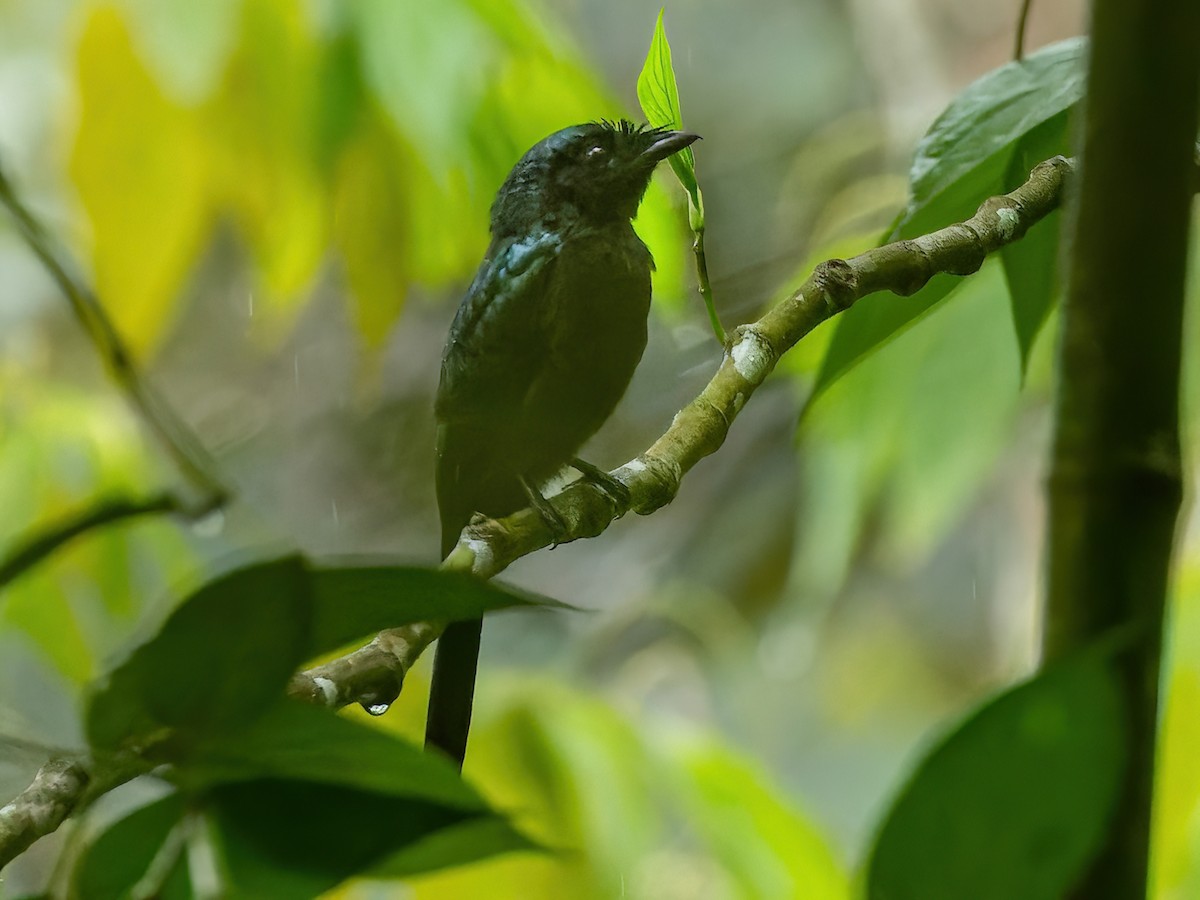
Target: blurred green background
[[280, 202]]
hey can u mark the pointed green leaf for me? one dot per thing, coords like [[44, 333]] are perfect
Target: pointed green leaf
[[219, 659], [226, 653], [658, 95], [294, 741], [354, 601], [304, 798], [1014, 802]]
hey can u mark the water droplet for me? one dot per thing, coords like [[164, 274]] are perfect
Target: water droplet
[[377, 709]]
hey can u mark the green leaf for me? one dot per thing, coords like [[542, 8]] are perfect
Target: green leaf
[[222, 657], [963, 159], [118, 859], [351, 602], [1031, 264], [767, 848], [294, 839], [294, 741], [225, 655], [469, 841], [658, 95], [304, 798], [1013, 803]]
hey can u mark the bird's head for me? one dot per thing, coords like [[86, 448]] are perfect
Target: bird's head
[[596, 172]]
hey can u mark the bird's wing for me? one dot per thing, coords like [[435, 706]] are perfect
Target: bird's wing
[[498, 339]]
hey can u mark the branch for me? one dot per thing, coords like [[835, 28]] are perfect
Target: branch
[[371, 676], [38, 810], [488, 546]]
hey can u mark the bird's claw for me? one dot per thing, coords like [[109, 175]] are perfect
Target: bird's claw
[[553, 521], [616, 490]]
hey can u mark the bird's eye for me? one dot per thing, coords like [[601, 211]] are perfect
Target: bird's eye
[[594, 153]]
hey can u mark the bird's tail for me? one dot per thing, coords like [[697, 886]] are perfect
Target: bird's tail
[[448, 721]]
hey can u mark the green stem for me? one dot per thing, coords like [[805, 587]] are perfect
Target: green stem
[[1115, 480], [706, 288]]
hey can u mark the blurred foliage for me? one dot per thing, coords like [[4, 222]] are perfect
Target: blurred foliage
[[375, 136]]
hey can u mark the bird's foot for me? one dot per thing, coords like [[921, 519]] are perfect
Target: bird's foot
[[616, 491], [550, 516]]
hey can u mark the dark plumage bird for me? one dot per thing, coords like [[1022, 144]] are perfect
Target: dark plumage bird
[[542, 348]]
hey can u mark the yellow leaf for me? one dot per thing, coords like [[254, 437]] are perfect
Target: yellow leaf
[[263, 123], [371, 231], [139, 165]]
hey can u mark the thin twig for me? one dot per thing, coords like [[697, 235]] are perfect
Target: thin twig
[[175, 436], [1022, 22], [33, 548], [705, 287]]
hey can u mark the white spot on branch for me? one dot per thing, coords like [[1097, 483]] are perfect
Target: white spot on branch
[[1008, 220], [329, 690], [482, 551], [752, 356]]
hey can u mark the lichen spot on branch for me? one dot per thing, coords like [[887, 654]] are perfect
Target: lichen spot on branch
[[1007, 221], [752, 356]]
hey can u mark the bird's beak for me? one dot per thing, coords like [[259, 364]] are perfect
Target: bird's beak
[[668, 143]]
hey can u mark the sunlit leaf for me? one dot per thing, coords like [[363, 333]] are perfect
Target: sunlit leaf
[[658, 225], [371, 230], [427, 64], [141, 169], [295, 839], [1177, 789], [298, 801], [659, 96], [904, 442], [1014, 802], [268, 137], [468, 842], [380, 803], [187, 44], [63, 450], [962, 160], [768, 848]]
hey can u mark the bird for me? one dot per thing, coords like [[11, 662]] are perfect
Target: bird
[[541, 349]]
